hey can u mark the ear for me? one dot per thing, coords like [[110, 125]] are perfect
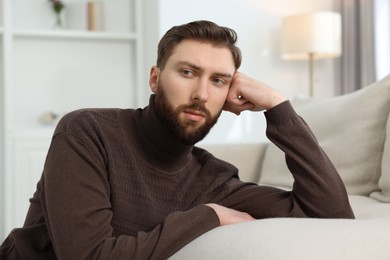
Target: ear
[[154, 78]]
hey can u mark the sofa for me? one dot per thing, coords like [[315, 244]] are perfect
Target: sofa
[[354, 130]]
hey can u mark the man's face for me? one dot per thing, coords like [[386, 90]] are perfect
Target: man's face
[[192, 88]]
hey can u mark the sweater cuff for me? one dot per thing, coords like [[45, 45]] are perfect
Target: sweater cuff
[[280, 114], [206, 216]]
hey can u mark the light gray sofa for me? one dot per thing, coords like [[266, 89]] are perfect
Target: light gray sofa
[[354, 130]]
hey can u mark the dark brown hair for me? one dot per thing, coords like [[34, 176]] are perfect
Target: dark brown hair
[[203, 31]]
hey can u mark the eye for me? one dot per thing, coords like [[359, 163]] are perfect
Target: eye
[[187, 73], [219, 82]]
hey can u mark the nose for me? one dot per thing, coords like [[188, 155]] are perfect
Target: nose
[[200, 92]]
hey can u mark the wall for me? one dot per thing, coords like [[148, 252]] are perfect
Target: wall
[[257, 23]]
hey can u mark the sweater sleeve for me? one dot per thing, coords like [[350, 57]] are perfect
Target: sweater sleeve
[[318, 190], [77, 210]]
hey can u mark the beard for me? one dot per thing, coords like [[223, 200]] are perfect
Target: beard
[[187, 132]]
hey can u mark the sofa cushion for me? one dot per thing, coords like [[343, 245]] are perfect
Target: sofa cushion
[[350, 128], [384, 182], [247, 157]]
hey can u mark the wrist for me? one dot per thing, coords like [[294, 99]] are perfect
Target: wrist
[[276, 101]]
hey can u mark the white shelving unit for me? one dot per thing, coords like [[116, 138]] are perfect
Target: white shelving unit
[[77, 35], [59, 70]]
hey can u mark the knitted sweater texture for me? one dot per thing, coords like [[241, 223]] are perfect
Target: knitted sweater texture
[[117, 185]]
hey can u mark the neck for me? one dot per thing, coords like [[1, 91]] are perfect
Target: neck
[[160, 143]]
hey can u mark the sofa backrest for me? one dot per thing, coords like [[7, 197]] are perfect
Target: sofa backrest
[[352, 131], [247, 157], [383, 194]]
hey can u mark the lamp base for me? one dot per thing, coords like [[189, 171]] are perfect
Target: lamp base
[[311, 74]]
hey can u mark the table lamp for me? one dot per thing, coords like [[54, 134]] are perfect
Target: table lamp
[[310, 37]]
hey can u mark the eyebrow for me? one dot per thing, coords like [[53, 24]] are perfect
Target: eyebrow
[[196, 67]]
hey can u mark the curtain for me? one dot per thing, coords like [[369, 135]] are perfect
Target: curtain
[[355, 68]]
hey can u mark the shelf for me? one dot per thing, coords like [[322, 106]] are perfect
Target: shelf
[[35, 133], [43, 68], [67, 34]]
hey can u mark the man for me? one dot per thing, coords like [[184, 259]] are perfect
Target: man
[[130, 184]]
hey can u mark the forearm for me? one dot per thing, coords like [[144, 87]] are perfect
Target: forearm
[[163, 241], [318, 187], [318, 190]]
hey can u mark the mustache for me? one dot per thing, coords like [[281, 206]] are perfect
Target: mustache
[[196, 106]]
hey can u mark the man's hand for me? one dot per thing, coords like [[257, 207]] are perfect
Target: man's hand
[[229, 216], [246, 93]]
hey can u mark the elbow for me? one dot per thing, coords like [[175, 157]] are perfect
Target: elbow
[[346, 214], [342, 212]]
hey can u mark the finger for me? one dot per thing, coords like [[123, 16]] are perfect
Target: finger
[[236, 99], [257, 109], [238, 107], [244, 104]]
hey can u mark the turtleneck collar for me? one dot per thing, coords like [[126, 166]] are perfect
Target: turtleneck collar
[[164, 145]]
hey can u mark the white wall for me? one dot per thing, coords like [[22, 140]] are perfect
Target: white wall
[[257, 23], [382, 38]]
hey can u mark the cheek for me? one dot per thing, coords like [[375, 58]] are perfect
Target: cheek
[[175, 91], [217, 101]]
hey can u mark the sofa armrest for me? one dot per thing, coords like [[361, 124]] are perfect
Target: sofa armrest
[[293, 238], [247, 157]]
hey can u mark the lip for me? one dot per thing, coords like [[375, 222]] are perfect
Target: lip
[[194, 115]]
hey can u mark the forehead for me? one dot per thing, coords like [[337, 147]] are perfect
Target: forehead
[[203, 54]]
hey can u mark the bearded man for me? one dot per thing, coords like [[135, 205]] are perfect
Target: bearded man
[[130, 184]]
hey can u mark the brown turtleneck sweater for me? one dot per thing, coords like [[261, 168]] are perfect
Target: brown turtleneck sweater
[[117, 185]]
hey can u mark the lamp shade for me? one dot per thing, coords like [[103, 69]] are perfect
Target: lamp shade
[[317, 35]]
